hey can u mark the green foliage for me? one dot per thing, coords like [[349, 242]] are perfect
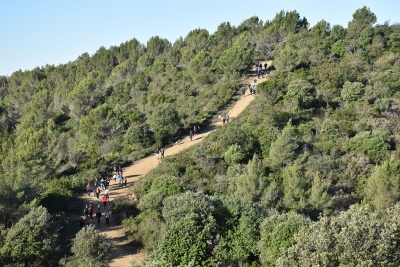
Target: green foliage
[[123, 208], [235, 58], [374, 144], [282, 151], [310, 139], [352, 91], [90, 248], [201, 63], [234, 154], [249, 181], [299, 93], [164, 121], [238, 223], [383, 188], [296, 187], [362, 18], [353, 238], [278, 233], [31, 239], [190, 226], [330, 130]]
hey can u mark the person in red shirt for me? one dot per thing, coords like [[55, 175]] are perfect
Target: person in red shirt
[[104, 200]]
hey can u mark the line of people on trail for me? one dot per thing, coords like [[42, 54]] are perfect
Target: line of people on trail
[[224, 118], [159, 153], [252, 88], [196, 130], [99, 185], [89, 211], [260, 71]]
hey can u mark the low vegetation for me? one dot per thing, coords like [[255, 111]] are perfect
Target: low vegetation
[[307, 175]]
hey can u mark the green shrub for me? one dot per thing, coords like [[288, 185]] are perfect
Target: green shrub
[[123, 208]]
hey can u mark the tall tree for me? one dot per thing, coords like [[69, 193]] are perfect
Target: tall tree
[[31, 239]]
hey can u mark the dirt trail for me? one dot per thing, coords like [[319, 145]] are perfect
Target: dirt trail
[[123, 252]]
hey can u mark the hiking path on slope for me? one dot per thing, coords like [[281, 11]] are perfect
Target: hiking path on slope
[[123, 252]]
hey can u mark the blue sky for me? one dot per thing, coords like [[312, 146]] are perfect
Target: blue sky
[[36, 33]]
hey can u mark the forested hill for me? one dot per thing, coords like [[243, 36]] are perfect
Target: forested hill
[[321, 136]]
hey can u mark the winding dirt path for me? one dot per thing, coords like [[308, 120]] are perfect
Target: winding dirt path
[[123, 252]]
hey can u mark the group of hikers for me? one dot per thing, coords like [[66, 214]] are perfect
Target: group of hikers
[[252, 88], [224, 118], [89, 211], [99, 186], [196, 130], [104, 183], [159, 153], [259, 69]]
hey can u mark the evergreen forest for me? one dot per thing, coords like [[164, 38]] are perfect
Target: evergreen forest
[[307, 175]]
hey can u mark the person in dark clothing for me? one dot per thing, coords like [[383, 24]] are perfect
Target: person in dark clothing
[[81, 222], [90, 211], [86, 211], [98, 216]]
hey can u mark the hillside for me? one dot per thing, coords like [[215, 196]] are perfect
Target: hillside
[[312, 163]]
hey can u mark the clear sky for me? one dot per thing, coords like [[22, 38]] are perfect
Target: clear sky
[[36, 33]]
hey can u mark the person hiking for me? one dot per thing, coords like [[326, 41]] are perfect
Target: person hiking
[[107, 182], [97, 192], [98, 216], [120, 178], [115, 177], [257, 68], [81, 222], [104, 200], [123, 181], [157, 150], [162, 152], [86, 210], [190, 135], [108, 216], [88, 189], [107, 192], [90, 211], [102, 183]]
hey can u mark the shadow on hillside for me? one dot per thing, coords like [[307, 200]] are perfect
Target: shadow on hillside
[[133, 175], [208, 129]]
